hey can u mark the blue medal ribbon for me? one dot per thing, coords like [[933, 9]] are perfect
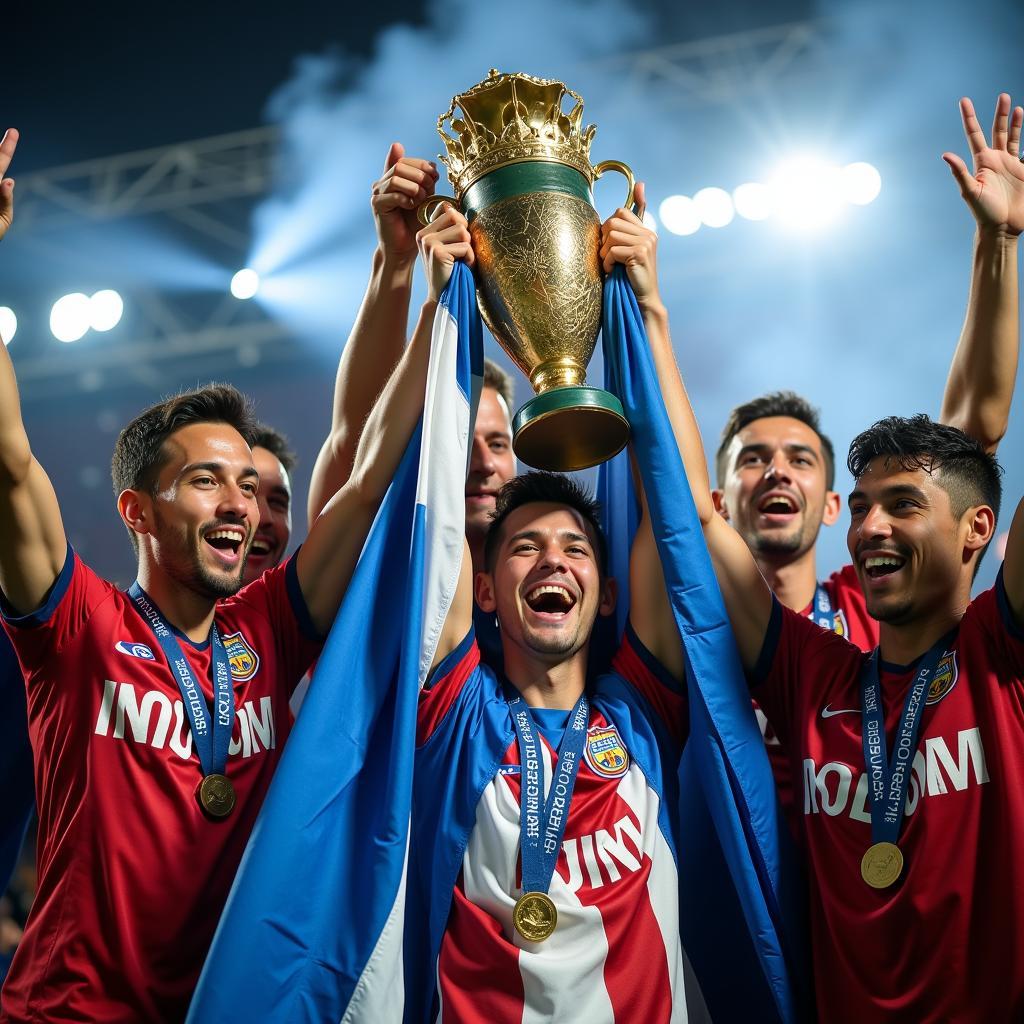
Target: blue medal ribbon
[[542, 823], [211, 733], [888, 779], [822, 611]]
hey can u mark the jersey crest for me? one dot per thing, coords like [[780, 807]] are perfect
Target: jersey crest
[[944, 679], [244, 661], [605, 752], [841, 628]]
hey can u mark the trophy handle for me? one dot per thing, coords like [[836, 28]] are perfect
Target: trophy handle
[[426, 209], [623, 169]]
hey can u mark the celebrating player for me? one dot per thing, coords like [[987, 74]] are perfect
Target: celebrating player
[[911, 818], [589, 928], [157, 716], [776, 468]]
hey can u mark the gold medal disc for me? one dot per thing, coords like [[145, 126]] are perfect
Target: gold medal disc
[[881, 865], [535, 916], [217, 795]]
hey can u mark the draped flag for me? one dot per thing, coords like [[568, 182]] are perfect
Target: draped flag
[[742, 867], [314, 928], [15, 761]]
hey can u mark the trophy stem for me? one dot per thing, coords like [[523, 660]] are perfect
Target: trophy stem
[[557, 373]]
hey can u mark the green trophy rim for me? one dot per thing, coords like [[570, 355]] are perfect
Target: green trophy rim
[[523, 178], [569, 428]]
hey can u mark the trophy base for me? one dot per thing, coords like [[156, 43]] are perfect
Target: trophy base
[[569, 428]]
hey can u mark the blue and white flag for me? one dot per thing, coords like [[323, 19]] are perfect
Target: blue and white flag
[[19, 794], [738, 870], [314, 928]]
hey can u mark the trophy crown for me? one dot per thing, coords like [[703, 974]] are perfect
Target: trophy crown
[[511, 118]]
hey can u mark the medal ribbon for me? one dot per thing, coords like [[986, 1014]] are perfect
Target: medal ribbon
[[542, 823], [822, 612], [888, 779], [211, 738]]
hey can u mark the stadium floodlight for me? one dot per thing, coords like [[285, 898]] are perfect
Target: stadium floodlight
[[679, 215], [808, 193], [245, 284], [649, 221], [105, 309], [714, 205], [753, 201], [8, 324], [70, 317], [860, 183]]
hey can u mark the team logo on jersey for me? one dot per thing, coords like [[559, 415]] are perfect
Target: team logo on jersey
[[944, 679], [135, 650], [605, 752], [244, 661], [840, 627]]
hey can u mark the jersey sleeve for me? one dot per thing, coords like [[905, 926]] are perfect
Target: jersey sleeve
[[796, 654], [276, 600], [642, 670], [447, 683], [1005, 633], [71, 603]]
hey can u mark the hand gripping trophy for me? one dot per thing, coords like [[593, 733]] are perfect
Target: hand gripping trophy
[[520, 167]]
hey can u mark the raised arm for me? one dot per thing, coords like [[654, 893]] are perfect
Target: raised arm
[[329, 555], [624, 239], [980, 385], [375, 344], [32, 542]]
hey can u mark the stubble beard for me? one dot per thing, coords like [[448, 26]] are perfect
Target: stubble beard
[[188, 569]]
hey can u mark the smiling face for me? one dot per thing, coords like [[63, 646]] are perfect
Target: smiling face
[[491, 462], [204, 514], [546, 586], [775, 492], [275, 504], [910, 551]]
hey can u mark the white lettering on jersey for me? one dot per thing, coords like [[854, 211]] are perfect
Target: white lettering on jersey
[[934, 772], [612, 852], [132, 719]]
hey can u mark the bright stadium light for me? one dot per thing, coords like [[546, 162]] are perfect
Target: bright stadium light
[[714, 205], [105, 309], [245, 283], [649, 221], [8, 324], [807, 193], [70, 317], [679, 215], [860, 183], [753, 201]]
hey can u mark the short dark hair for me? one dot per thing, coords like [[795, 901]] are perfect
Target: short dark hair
[[552, 488], [139, 453], [969, 474], [264, 436], [777, 403], [495, 377]]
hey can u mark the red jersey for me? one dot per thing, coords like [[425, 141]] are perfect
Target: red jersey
[[943, 943], [132, 874]]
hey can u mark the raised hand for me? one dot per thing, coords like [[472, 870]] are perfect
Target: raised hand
[[406, 182], [7, 147], [995, 191], [625, 239], [443, 241]]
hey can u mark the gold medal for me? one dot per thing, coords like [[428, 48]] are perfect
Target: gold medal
[[535, 916], [217, 795], [881, 865]]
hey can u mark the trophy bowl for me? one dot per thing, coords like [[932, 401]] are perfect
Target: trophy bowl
[[521, 171]]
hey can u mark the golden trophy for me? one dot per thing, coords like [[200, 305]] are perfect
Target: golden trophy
[[520, 167]]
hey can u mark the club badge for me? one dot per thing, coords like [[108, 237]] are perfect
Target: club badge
[[944, 679], [244, 661], [605, 752]]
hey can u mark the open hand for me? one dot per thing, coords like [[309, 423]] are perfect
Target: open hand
[[443, 241], [7, 147], [995, 192], [406, 182], [626, 240]]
